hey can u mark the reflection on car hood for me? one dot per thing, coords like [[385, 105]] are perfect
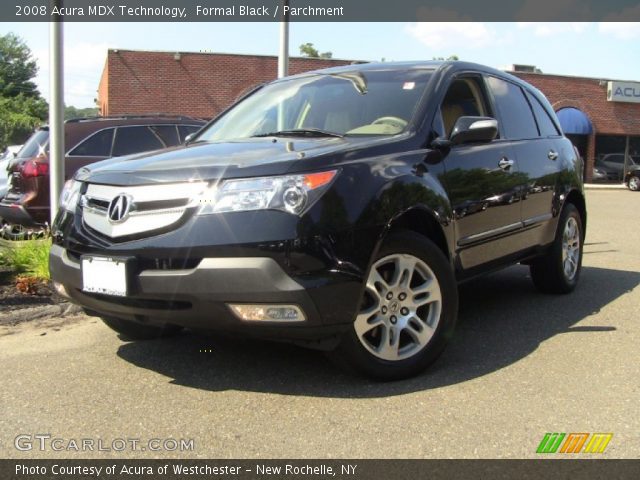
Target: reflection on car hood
[[210, 161]]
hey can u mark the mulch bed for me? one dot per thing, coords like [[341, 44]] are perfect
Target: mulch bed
[[11, 299]]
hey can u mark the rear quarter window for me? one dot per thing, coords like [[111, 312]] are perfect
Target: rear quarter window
[[545, 124], [38, 143]]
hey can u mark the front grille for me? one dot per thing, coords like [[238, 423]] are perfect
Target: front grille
[[137, 210], [162, 204], [152, 206], [96, 203]]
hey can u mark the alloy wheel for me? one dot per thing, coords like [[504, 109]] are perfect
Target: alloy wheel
[[401, 308], [571, 248]]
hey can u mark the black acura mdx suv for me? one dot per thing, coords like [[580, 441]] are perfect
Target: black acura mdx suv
[[337, 209]]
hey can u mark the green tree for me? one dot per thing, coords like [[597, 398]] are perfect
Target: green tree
[[17, 68], [308, 50], [21, 106], [73, 112], [449, 58]]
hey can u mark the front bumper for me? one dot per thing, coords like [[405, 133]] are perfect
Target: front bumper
[[198, 297]]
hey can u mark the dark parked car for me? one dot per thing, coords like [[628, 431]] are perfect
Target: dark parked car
[[611, 167], [337, 209], [87, 140], [632, 179]]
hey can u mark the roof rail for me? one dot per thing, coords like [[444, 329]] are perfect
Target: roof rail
[[130, 116]]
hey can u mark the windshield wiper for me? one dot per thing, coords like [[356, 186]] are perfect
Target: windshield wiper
[[300, 132]]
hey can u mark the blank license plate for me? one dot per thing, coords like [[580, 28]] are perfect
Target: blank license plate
[[104, 275]]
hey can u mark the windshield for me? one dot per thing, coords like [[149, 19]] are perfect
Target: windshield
[[349, 103], [38, 144]]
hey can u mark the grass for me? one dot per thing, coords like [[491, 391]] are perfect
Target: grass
[[30, 257]]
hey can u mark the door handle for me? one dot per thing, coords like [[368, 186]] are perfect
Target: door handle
[[505, 163], [552, 155]]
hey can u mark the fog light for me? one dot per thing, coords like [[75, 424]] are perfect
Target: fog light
[[268, 313]]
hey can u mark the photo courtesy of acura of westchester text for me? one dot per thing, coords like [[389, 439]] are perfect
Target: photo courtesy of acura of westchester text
[[283, 238]]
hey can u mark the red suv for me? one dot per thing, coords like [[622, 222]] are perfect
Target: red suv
[[87, 140]]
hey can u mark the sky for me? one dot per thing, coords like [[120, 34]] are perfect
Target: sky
[[599, 50]]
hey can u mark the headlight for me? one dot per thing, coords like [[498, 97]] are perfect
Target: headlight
[[289, 193], [70, 195]]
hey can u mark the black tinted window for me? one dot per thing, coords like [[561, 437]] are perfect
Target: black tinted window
[[97, 145], [515, 113], [545, 124], [167, 133], [38, 143], [186, 130], [134, 140]]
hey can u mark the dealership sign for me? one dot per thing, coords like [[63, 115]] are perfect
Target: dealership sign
[[623, 92]]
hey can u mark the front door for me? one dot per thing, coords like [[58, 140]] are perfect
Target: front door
[[481, 180]]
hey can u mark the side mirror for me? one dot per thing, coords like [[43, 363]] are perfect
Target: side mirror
[[474, 129], [189, 137]]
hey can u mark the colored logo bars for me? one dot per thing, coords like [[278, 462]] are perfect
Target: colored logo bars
[[574, 443]]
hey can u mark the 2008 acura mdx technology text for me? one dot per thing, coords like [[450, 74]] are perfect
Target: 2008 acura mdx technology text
[[337, 209]]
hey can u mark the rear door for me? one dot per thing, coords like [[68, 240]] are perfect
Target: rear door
[[535, 140], [481, 179]]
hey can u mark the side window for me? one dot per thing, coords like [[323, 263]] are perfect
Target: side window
[[167, 133], [97, 145], [516, 115], [134, 140], [545, 124], [465, 97], [187, 130]]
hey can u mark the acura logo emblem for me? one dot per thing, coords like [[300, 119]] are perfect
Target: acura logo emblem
[[119, 208]]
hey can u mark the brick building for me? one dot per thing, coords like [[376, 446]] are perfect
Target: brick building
[[196, 84], [600, 116]]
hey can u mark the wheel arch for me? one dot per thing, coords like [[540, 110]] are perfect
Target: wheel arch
[[576, 198], [422, 220]]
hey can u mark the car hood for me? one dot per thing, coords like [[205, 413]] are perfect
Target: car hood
[[210, 161]]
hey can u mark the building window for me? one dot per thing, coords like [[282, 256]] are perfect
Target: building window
[[614, 156]]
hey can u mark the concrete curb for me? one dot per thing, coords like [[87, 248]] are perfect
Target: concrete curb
[[605, 186], [27, 314]]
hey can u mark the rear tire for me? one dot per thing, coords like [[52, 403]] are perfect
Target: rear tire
[[407, 314], [137, 331], [633, 183], [558, 270]]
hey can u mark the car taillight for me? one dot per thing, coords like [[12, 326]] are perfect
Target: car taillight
[[34, 169]]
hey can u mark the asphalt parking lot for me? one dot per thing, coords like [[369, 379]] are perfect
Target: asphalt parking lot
[[521, 364]]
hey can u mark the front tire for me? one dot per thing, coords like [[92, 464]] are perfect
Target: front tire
[[408, 311], [137, 331], [634, 183], [559, 270]]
